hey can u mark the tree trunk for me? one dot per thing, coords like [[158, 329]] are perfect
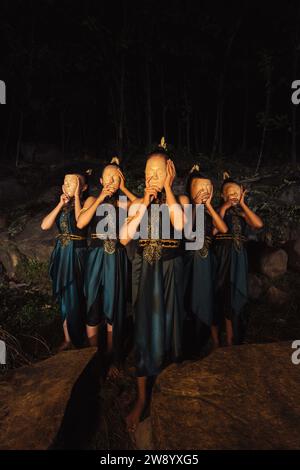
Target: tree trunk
[[62, 131], [196, 132], [218, 136], [148, 103], [187, 116], [121, 114], [19, 138], [163, 103], [294, 107], [246, 109], [6, 140], [265, 127]]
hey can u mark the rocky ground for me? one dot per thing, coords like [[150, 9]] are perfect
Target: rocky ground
[[30, 321]]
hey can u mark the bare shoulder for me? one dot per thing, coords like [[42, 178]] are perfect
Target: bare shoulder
[[136, 202], [134, 206], [126, 204], [183, 199], [89, 201]]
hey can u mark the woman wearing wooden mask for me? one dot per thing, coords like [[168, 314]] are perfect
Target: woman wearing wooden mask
[[157, 274], [68, 258], [106, 267]]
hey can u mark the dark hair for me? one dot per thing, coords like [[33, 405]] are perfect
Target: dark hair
[[114, 162], [227, 179], [86, 175], [195, 173], [158, 151]]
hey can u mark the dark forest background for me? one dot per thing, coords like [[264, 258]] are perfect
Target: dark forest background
[[98, 78]]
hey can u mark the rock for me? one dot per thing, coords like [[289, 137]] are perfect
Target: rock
[[11, 191], [33, 399], [273, 263], [277, 296], [50, 195], [293, 249], [143, 435], [30, 243], [291, 194], [238, 398], [34, 242], [3, 221], [255, 286], [294, 232], [10, 256]]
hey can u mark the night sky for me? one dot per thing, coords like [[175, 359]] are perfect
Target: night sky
[[98, 78]]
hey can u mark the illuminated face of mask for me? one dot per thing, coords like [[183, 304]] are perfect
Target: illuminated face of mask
[[70, 184], [111, 177], [156, 172], [201, 189], [232, 193]]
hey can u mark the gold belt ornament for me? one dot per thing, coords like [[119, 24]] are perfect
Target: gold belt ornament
[[164, 243], [108, 244], [203, 252], [152, 249], [229, 236], [66, 237], [238, 240]]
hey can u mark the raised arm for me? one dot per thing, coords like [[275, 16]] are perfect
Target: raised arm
[[136, 212], [176, 212], [49, 220], [124, 189], [222, 212], [251, 218], [218, 222], [90, 206]]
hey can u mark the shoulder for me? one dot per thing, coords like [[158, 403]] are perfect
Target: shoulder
[[89, 201], [183, 199], [137, 200]]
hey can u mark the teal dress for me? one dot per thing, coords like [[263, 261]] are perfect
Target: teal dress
[[199, 277], [157, 297], [105, 281], [232, 270], [67, 273]]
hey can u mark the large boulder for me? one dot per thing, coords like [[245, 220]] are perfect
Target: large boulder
[[277, 296], [29, 243], [10, 256], [243, 397], [256, 286], [290, 194], [33, 400], [12, 191], [34, 242], [50, 195], [273, 263], [293, 249]]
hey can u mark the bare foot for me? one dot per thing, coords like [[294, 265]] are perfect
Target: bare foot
[[64, 346], [134, 416]]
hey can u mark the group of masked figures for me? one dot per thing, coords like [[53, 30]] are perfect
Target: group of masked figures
[[169, 283]]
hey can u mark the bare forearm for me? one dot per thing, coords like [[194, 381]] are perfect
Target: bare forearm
[[130, 227], [175, 210], [77, 207], [129, 194], [86, 215], [252, 219], [49, 220], [217, 220]]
